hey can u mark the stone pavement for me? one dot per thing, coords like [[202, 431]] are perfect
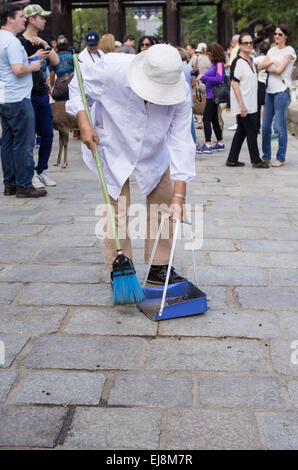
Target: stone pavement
[[79, 373]]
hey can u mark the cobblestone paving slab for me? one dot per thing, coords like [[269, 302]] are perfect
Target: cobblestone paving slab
[[46, 219], [260, 298], [291, 324], [42, 273], [221, 324], [280, 429], [17, 255], [284, 277], [66, 294], [293, 391], [30, 426], [111, 321], [266, 260], [62, 352], [62, 388], [12, 345], [8, 292], [7, 378], [228, 276], [245, 392], [72, 229], [151, 390], [269, 246], [284, 356], [212, 429], [18, 230], [282, 234], [116, 428], [31, 321], [46, 242], [70, 255], [207, 355], [216, 297]]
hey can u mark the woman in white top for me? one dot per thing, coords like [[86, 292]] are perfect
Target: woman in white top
[[279, 63]]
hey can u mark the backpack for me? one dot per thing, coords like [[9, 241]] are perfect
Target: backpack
[[60, 89]]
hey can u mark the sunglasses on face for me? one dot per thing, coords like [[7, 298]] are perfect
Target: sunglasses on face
[[145, 44], [278, 34], [247, 43]]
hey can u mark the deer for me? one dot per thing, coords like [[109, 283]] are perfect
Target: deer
[[63, 123]]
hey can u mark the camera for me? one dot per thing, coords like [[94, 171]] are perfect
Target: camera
[[194, 72]]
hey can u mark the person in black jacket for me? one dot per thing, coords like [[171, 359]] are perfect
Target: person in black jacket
[[37, 47]]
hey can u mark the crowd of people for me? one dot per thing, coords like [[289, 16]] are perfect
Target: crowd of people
[[31, 67]]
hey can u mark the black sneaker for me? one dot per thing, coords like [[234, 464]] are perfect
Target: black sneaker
[[228, 163], [158, 274], [261, 165]]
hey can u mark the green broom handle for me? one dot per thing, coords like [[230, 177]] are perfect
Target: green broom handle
[[97, 159]]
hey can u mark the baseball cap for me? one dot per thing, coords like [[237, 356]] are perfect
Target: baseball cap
[[92, 38], [202, 47], [33, 10]]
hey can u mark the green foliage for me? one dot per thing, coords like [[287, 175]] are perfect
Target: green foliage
[[272, 11], [199, 24], [96, 19], [88, 19]]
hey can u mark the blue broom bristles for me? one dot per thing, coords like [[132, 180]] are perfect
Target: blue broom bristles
[[126, 287]]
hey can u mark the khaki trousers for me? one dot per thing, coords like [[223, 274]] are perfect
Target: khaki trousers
[[157, 204]]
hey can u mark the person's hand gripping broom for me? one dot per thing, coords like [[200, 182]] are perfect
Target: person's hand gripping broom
[[126, 287]]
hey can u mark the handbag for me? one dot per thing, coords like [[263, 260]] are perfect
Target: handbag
[[199, 102], [221, 91], [60, 89]]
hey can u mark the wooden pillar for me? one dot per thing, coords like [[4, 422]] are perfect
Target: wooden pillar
[[117, 19], [61, 18], [224, 25], [164, 23], [172, 23]]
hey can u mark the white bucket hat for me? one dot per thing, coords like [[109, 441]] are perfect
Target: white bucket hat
[[156, 75]]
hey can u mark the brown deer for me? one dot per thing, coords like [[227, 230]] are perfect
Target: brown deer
[[63, 123]]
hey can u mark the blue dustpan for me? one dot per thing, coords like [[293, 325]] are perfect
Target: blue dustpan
[[182, 299], [175, 300]]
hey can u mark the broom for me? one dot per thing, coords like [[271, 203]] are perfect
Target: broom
[[126, 287]]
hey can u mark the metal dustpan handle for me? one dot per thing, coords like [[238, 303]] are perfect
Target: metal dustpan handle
[[164, 217], [162, 304]]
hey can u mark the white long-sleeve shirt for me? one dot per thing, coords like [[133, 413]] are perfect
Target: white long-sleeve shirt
[[136, 137]]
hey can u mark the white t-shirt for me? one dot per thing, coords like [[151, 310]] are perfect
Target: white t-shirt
[[275, 81], [263, 74], [87, 57], [247, 77], [13, 88]]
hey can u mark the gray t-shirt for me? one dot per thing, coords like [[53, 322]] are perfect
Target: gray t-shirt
[[13, 89]]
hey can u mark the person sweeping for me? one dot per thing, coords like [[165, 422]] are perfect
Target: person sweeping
[[141, 125]]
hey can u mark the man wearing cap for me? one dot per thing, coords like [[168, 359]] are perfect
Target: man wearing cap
[[38, 47], [91, 53], [142, 125]]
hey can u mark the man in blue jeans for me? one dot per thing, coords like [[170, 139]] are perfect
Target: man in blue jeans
[[17, 117], [36, 46]]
